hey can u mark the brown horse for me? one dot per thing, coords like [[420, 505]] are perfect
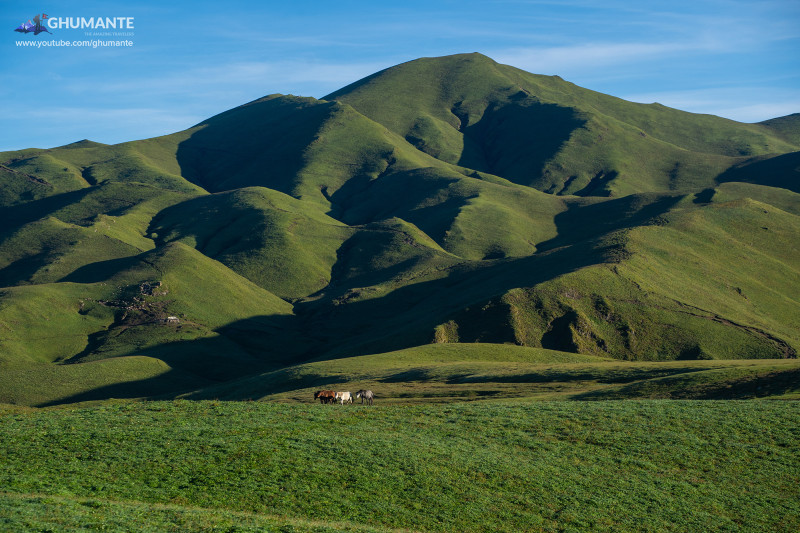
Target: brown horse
[[325, 396]]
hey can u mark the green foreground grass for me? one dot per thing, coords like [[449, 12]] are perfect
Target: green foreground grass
[[50, 513], [478, 466]]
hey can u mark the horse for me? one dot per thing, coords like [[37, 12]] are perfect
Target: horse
[[325, 396], [365, 395], [344, 397]]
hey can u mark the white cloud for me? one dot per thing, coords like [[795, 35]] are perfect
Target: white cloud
[[253, 78], [564, 60], [743, 104], [292, 72]]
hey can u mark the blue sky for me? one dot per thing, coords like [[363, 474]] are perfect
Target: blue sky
[[193, 59]]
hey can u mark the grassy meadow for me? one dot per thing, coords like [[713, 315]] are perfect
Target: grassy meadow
[[468, 372], [440, 373], [486, 466]]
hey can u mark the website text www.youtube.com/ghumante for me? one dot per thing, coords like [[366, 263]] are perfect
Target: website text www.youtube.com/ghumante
[[88, 43]]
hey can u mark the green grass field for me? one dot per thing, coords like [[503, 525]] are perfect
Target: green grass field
[[469, 372], [438, 373], [485, 466]]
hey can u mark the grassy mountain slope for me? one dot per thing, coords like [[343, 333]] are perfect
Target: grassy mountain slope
[[93, 316], [787, 127], [285, 245], [678, 286], [550, 134], [46, 323], [469, 217], [303, 147], [212, 302], [82, 165], [781, 171], [443, 200], [354, 168], [47, 250]]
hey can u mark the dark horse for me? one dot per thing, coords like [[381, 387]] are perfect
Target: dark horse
[[365, 395], [325, 396]]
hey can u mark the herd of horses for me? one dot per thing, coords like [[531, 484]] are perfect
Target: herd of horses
[[330, 396]]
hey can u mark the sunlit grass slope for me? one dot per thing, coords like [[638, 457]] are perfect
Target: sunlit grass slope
[[46, 323], [81, 165], [787, 127], [469, 372], [221, 318], [717, 281], [24, 386], [285, 245], [545, 132], [444, 200]]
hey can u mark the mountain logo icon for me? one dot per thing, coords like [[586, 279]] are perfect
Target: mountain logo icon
[[36, 27]]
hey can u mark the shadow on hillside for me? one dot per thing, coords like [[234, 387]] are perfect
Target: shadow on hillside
[[614, 375], [414, 374], [242, 348], [585, 222], [404, 194], [705, 387], [102, 270], [781, 171], [257, 386], [18, 215], [408, 315], [180, 384], [168, 385], [350, 269], [514, 141], [24, 268], [257, 144]]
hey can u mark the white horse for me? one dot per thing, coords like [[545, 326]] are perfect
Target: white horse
[[344, 397]]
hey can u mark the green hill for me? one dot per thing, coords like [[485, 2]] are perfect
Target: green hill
[[713, 282], [787, 127], [547, 133], [445, 200]]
